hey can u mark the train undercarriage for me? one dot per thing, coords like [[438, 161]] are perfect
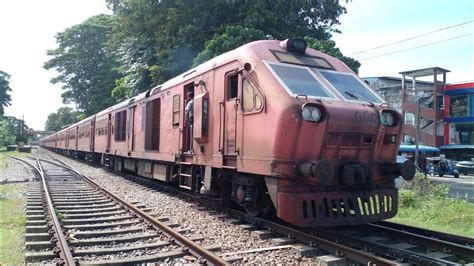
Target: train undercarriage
[[293, 202], [233, 189]]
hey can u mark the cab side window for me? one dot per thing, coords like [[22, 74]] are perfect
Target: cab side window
[[232, 86]]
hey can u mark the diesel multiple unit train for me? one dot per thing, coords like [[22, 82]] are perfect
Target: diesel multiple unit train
[[277, 128]]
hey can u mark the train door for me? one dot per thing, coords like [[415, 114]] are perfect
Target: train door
[[131, 129], [187, 136], [231, 106], [109, 132], [92, 135], [152, 124], [77, 137]]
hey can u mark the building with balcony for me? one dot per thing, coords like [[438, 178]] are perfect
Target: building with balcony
[[423, 107], [418, 100], [390, 88], [459, 113]]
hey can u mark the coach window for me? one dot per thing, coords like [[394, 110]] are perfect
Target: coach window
[[232, 86], [152, 133], [176, 103], [120, 125]]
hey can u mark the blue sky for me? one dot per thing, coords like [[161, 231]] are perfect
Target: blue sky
[[28, 32], [371, 23]]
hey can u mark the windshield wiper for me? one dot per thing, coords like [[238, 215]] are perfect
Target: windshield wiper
[[359, 98]]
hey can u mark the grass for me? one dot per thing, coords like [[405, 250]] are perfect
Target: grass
[[4, 156], [12, 225], [61, 216], [427, 205]]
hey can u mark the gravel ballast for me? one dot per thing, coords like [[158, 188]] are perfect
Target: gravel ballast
[[13, 171], [216, 231]]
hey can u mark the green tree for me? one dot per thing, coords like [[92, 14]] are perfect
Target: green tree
[[12, 130], [329, 47], [87, 68], [158, 39], [233, 37], [5, 98], [283, 19], [7, 135], [64, 117]]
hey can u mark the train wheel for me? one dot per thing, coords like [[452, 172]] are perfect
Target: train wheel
[[263, 207], [252, 211]]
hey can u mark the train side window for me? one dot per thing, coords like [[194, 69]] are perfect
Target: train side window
[[120, 125], [247, 96], [176, 103], [152, 132], [205, 117], [251, 99], [232, 86]]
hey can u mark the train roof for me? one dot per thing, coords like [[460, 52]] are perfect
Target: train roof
[[253, 53], [130, 101], [250, 52]]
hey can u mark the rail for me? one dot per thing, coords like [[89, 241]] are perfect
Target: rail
[[192, 247], [347, 246], [312, 240], [65, 251]]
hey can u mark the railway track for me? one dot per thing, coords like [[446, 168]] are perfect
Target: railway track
[[381, 244], [72, 220], [404, 245]]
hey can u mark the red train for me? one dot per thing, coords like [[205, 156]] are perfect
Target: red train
[[277, 127]]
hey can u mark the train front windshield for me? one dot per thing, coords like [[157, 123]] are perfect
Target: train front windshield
[[346, 82], [317, 83], [299, 80]]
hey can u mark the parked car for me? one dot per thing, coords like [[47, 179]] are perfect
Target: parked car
[[465, 167]]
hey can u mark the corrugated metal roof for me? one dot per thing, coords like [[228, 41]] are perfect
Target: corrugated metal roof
[[421, 148], [456, 147]]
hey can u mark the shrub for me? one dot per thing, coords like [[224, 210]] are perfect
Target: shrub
[[408, 198], [439, 190]]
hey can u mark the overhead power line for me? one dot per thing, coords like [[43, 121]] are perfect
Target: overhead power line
[[411, 38], [416, 47]]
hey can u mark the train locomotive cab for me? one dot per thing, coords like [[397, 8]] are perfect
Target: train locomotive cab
[[333, 140]]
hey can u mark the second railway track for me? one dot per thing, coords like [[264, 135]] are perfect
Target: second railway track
[[72, 220]]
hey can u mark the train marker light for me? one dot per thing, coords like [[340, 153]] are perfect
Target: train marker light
[[387, 119], [296, 45], [311, 113]]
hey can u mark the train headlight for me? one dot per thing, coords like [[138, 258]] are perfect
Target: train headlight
[[311, 113], [387, 119], [297, 45]]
